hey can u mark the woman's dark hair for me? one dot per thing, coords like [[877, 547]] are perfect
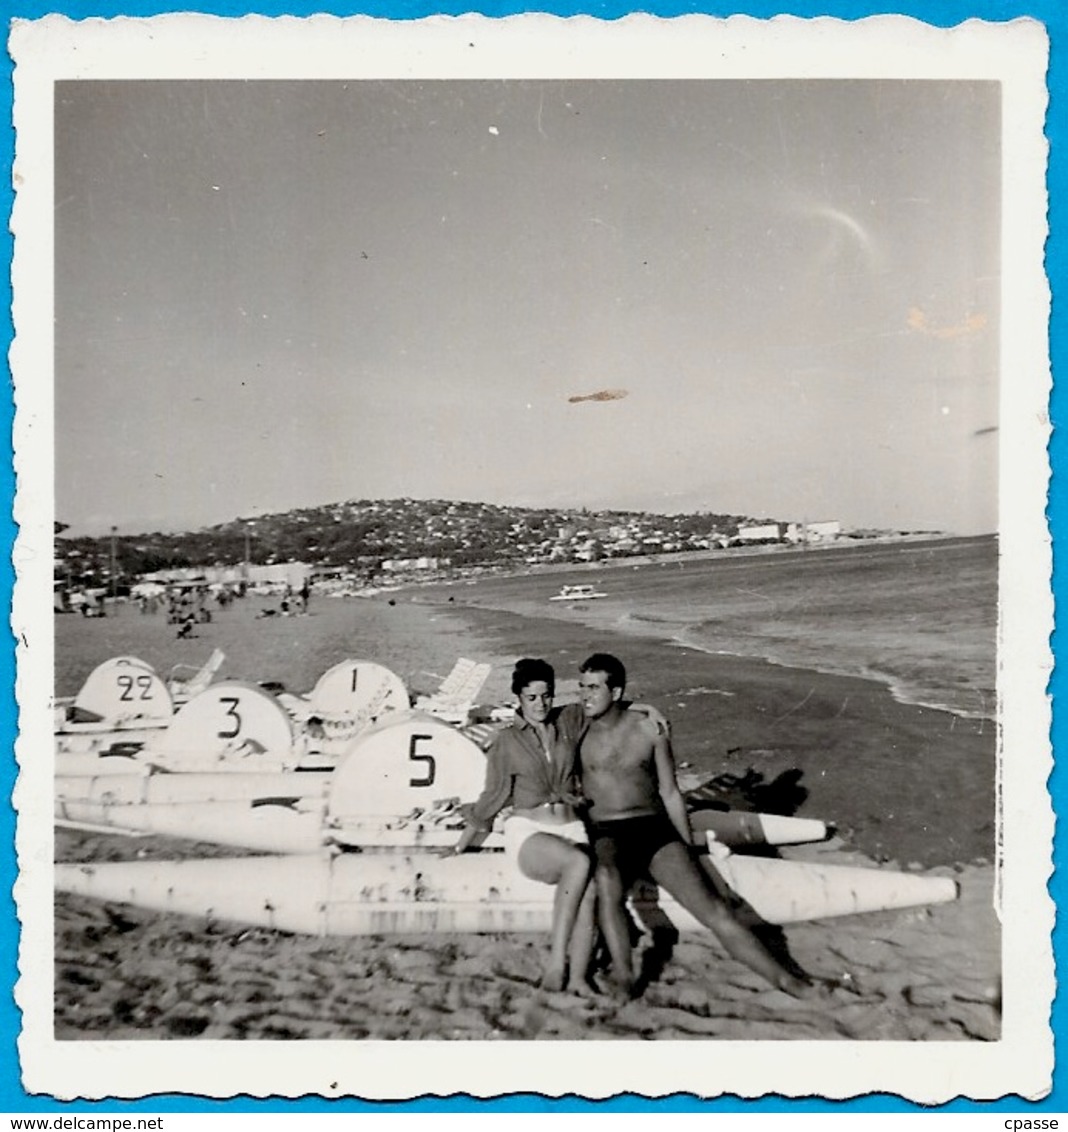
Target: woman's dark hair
[[527, 671]]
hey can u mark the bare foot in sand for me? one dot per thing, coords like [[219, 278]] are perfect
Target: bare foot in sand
[[814, 989], [806, 988], [554, 979], [583, 988], [619, 989]]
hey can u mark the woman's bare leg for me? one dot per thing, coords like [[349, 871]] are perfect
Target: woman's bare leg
[[556, 861]]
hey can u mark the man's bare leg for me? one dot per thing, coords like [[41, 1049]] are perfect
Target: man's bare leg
[[583, 936], [556, 861], [613, 920], [675, 870]]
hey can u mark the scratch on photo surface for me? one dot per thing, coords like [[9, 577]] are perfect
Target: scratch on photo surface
[[800, 704], [600, 395]]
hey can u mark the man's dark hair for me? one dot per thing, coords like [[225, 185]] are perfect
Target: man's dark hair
[[528, 671], [612, 667]]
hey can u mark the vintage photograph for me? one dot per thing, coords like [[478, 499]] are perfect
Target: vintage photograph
[[536, 556]]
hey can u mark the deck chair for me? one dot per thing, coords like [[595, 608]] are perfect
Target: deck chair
[[452, 702], [183, 689]]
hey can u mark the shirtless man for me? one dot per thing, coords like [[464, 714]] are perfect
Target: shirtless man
[[639, 826]]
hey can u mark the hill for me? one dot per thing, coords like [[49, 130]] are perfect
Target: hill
[[360, 535]]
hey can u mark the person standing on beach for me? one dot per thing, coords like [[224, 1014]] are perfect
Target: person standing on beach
[[639, 827]]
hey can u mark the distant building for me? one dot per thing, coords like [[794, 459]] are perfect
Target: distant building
[[394, 565], [765, 532], [825, 531], [180, 574], [292, 574]]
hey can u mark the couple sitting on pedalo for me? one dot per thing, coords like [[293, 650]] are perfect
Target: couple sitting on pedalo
[[595, 806]]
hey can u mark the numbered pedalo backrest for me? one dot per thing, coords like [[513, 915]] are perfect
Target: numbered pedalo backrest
[[360, 689], [408, 761], [231, 716], [125, 688]]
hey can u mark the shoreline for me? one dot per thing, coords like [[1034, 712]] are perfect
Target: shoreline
[[776, 720], [918, 617], [896, 686]]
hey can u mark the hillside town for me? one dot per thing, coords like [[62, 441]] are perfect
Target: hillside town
[[361, 543]]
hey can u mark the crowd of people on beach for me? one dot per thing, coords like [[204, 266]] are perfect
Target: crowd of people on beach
[[187, 607], [292, 603], [593, 806]]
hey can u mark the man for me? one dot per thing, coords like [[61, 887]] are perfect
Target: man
[[639, 827]]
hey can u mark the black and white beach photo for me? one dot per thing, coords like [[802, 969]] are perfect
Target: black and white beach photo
[[441, 353]]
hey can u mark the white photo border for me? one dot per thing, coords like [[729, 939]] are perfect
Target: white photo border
[[529, 45]]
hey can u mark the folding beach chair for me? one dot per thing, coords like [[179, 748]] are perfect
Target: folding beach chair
[[183, 690], [453, 701]]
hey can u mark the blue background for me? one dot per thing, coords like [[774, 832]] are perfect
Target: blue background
[[943, 13]]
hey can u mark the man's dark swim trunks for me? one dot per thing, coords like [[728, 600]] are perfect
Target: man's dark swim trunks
[[629, 844]]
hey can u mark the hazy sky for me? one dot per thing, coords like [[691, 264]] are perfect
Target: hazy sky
[[279, 294]]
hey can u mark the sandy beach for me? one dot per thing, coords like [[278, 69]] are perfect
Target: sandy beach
[[904, 783]]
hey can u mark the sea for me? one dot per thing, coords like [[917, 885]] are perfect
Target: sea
[[920, 616]]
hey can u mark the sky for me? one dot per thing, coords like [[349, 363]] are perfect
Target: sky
[[282, 294]]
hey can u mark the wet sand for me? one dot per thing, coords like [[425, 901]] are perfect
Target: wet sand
[[903, 783]]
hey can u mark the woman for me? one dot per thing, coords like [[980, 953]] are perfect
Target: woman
[[531, 767]]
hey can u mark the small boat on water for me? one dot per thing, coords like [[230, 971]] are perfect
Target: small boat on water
[[578, 593]]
